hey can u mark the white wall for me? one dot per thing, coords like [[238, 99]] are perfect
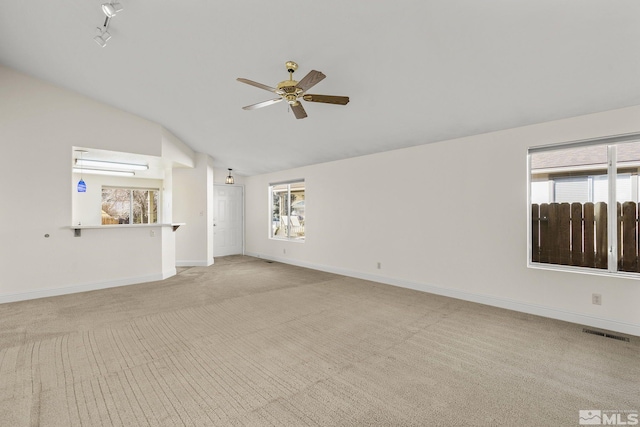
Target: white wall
[[180, 154], [193, 205], [39, 125], [448, 218], [168, 234]]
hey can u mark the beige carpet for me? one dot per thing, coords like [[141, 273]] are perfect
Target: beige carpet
[[247, 342]]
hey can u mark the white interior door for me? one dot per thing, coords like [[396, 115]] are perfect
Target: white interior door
[[228, 220]]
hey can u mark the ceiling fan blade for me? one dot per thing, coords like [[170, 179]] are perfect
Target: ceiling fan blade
[[298, 111], [327, 99], [314, 77], [260, 85], [262, 104]]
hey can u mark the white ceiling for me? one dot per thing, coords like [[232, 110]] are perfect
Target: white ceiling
[[417, 71]]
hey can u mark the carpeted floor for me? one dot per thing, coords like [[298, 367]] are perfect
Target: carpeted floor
[[248, 342]]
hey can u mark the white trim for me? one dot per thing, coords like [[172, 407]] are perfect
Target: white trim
[[287, 239], [244, 222], [523, 307], [199, 263], [603, 140], [44, 293], [592, 167], [529, 218], [612, 208], [583, 270], [289, 181]]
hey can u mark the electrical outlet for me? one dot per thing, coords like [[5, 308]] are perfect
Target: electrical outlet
[[284, 251], [379, 265], [152, 233], [596, 299]]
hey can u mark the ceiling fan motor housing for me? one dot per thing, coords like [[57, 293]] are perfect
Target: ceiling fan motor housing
[[291, 91]]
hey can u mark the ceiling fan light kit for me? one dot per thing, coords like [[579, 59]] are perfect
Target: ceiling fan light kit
[[293, 91]]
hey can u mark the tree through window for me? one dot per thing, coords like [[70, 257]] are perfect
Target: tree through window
[[287, 213], [129, 205]]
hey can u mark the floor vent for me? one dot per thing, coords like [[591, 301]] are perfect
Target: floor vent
[[269, 262], [606, 335]]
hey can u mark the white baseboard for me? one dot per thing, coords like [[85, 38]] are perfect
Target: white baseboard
[[538, 310], [199, 263], [169, 273], [43, 293]]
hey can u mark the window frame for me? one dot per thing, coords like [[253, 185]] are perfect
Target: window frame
[[131, 204], [288, 183], [611, 143]]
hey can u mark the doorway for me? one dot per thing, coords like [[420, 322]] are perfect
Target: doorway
[[228, 220]]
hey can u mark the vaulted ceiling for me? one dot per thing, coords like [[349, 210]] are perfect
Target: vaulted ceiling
[[417, 71]]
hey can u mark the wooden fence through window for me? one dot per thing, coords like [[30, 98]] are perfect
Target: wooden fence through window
[[576, 234]]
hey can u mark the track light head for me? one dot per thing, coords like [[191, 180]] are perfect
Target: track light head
[[102, 32], [102, 36], [110, 9], [101, 42]]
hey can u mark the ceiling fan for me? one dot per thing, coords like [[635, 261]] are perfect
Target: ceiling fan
[[292, 91]]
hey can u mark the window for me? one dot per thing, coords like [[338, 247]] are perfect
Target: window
[[129, 205], [584, 204], [286, 214]]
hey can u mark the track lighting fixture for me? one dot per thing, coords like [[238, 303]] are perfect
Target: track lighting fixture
[[110, 9]]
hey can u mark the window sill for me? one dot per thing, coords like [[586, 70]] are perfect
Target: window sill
[[583, 270], [284, 239]]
